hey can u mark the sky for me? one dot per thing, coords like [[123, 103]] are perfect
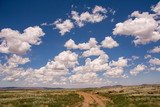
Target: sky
[[82, 43]]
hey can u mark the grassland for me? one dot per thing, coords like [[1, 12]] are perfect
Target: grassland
[[39, 98], [130, 96], [121, 96]]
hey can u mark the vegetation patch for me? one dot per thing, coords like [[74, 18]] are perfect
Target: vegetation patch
[[45, 98]]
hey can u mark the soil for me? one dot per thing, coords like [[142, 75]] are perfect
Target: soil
[[90, 99]]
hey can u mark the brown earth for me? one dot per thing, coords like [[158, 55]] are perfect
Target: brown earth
[[92, 99]]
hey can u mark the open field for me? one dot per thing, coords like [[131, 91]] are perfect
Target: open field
[[39, 98], [130, 96], [119, 96]]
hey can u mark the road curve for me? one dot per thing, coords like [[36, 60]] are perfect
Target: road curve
[[92, 99]]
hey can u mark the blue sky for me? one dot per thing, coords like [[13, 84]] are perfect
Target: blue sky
[[24, 61]]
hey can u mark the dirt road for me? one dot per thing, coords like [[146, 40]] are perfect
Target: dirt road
[[92, 100]]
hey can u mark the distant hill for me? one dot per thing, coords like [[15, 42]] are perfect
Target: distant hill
[[150, 85], [58, 88], [29, 88], [114, 86]]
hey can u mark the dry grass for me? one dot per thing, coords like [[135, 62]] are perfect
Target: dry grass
[[131, 96], [39, 98]]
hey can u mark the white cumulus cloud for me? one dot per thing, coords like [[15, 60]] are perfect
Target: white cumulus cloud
[[63, 26], [155, 50], [154, 61], [156, 8], [144, 27], [139, 68], [108, 42], [93, 52], [121, 62], [97, 14], [96, 65], [115, 72], [12, 41], [92, 43]]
